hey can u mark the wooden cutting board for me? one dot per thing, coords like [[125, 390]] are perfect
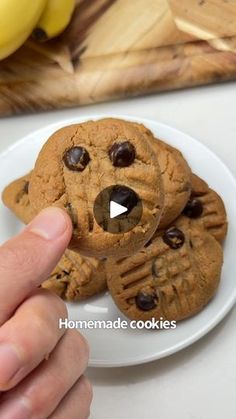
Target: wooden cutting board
[[119, 48]]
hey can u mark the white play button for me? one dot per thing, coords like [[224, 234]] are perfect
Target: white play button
[[116, 209]]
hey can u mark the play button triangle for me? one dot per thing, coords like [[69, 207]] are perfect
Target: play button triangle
[[116, 209]]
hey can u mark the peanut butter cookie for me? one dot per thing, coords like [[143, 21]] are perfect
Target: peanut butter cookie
[[206, 208], [176, 177], [80, 161], [16, 197], [173, 277], [76, 277]]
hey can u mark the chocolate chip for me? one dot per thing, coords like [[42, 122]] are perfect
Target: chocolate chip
[[65, 272], [146, 301], [174, 238], [73, 214], [122, 154], [76, 158], [149, 243], [62, 274], [194, 208], [124, 196], [26, 188]]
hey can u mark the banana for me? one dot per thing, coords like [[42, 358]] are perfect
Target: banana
[[17, 20], [54, 20]]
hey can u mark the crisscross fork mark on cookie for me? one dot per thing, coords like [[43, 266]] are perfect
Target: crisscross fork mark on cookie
[[180, 281], [169, 278], [213, 218]]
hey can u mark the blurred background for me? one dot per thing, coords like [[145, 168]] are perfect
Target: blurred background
[[76, 52]]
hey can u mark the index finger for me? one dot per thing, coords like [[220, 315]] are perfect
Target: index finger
[[29, 258]]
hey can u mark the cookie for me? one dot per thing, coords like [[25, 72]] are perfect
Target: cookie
[[176, 176], [15, 196], [80, 161], [173, 277], [76, 278], [206, 208], [176, 181]]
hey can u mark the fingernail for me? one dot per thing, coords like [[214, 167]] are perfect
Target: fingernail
[[10, 363], [50, 224], [18, 408]]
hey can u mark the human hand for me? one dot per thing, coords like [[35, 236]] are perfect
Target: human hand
[[41, 366]]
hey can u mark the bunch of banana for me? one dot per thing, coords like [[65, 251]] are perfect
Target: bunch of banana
[[20, 18], [55, 18]]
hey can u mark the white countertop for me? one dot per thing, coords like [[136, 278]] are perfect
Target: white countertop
[[198, 382]]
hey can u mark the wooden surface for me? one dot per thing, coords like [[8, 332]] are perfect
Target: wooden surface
[[118, 48]]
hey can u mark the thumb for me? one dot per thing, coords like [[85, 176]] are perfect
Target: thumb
[[29, 258]]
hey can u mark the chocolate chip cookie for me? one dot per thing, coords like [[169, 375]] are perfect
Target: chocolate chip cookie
[[176, 176], [76, 277], [15, 196], [176, 181], [80, 161], [173, 277], [205, 208]]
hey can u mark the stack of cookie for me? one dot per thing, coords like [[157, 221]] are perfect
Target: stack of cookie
[[169, 264]]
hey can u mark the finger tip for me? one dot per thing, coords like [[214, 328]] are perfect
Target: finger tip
[[68, 222], [51, 223]]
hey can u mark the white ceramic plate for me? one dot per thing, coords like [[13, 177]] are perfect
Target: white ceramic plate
[[110, 348]]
